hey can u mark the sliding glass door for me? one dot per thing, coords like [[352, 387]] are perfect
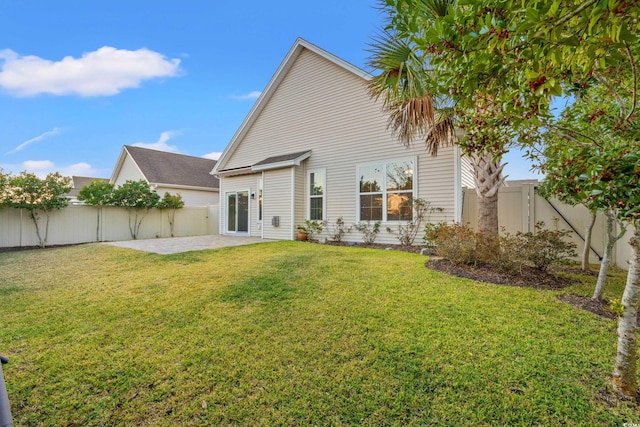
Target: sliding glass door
[[238, 212]]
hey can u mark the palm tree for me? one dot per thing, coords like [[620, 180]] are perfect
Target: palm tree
[[419, 109]]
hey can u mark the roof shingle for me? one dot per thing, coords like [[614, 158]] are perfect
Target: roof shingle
[[161, 167]]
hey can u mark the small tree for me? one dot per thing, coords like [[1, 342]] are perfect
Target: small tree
[[137, 198], [4, 181], [39, 197], [612, 238], [406, 233], [98, 193], [369, 231], [171, 203], [339, 230]]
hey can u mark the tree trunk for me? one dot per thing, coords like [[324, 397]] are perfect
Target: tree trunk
[[132, 227], [624, 373], [34, 217], [98, 225], [587, 241], [487, 174], [612, 238], [488, 215], [172, 218]]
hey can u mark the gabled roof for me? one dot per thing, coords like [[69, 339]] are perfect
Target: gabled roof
[[169, 169], [78, 182], [272, 87]]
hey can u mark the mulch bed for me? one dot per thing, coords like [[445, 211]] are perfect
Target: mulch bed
[[412, 249], [599, 307], [530, 277]]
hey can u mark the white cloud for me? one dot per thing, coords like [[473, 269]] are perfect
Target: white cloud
[[251, 95], [79, 169], [38, 165], [42, 167], [215, 155], [38, 138], [104, 72], [161, 143]]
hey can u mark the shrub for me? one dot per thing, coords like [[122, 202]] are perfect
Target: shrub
[[312, 227], [454, 242], [339, 230], [546, 247], [461, 245], [369, 231], [406, 234]]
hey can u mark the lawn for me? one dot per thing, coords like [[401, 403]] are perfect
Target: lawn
[[292, 333]]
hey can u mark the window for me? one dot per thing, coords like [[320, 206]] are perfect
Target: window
[[385, 191], [316, 194], [259, 199]]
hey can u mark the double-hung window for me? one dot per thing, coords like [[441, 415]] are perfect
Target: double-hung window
[[317, 183], [385, 190]]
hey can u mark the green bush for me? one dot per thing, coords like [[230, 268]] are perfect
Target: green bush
[[454, 242], [462, 245], [369, 231], [546, 247], [339, 230]]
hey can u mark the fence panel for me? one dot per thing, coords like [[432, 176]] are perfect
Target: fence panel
[[78, 224], [519, 208]]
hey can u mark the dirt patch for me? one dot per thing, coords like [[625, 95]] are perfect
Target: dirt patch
[[30, 248], [530, 277], [599, 307]]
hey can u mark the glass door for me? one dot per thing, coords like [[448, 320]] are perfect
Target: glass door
[[238, 212]]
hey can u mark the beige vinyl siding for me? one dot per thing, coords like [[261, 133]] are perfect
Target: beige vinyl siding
[[323, 107], [301, 192], [128, 172], [466, 172], [191, 197], [241, 183], [276, 195]]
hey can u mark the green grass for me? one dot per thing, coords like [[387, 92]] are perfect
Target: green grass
[[291, 333]]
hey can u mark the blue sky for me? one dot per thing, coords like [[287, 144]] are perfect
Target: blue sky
[[80, 79]]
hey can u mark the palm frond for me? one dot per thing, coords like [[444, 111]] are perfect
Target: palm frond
[[402, 86]]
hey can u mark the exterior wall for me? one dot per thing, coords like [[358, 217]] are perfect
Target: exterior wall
[[192, 197], [466, 172], [128, 172], [301, 195], [77, 224], [322, 107], [277, 196]]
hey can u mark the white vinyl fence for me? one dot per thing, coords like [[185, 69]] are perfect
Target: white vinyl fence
[[519, 208], [78, 223]]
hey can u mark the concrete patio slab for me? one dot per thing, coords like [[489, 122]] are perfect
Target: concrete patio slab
[[174, 245]]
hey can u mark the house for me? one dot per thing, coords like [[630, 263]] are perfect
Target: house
[[316, 146], [168, 172], [77, 182]]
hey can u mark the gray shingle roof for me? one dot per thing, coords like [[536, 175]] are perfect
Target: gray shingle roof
[[80, 181], [281, 158], [161, 167]]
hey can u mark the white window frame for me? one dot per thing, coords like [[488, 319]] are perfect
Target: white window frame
[[384, 190], [260, 192], [226, 207], [324, 192]]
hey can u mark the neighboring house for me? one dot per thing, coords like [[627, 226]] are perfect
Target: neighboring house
[[77, 182], [316, 146], [168, 172]]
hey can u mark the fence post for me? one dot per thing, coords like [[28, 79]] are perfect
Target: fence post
[[5, 410]]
